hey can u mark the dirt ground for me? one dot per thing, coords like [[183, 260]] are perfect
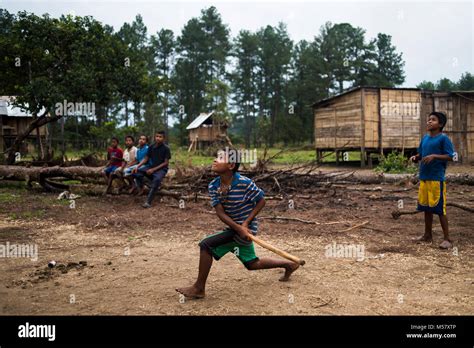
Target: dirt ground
[[135, 258]]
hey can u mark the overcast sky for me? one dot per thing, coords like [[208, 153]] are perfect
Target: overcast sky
[[436, 38]]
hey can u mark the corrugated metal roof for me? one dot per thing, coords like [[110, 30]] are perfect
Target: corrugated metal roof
[[7, 109], [3, 107], [199, 120]]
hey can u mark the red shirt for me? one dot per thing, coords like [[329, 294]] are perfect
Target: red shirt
[[117, 152]]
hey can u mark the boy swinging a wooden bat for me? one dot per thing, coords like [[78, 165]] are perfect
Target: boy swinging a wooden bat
[[237, 201]]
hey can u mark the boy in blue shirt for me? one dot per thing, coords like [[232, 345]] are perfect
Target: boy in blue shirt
[[237, 201], [142, 150], [435, 150]]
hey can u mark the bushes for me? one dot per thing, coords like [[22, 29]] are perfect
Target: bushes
[[395, 162]]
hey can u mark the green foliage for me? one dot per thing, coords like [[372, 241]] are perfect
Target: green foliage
[[465, 83], [110, 129], [395, 162]]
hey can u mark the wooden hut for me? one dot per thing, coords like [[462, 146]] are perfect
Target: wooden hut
[[14, 120], [380, 120], [459, 109], [205, 130]]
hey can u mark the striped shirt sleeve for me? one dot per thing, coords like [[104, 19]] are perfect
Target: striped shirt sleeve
[[253, 193], [214, 195]]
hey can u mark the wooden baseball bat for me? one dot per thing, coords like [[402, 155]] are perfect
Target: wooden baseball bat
[[277, 251]]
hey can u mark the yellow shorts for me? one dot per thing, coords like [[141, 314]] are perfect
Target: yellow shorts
[[432, 197]]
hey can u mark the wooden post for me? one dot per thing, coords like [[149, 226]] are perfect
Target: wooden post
[[380, 123], [1, 137], [362, 125], [403, 125], [335, 135]]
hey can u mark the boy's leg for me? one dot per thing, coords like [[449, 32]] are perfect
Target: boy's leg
[[155, 185], [139, 176], [246, 254], [109, 183], [213, 246], [267, 263], [428, 236], [443, 219], [423, 205], [108, 177], [447, 243], [198, 289]]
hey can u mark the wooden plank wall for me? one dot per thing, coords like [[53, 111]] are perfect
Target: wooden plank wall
[[371, 118], [400, 115], [469, 105], [19, 125], [460, 123], [459, 112], [338, 124], [211, 133]]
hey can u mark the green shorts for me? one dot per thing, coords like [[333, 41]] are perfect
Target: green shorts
[[221, 243]]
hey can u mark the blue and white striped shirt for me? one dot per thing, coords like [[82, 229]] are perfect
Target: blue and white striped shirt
[[242, 196]]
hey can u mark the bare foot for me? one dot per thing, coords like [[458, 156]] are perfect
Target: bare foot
[[191, 292], [424, 239], [288, 271]]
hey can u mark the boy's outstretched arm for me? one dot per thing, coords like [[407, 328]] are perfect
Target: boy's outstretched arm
[[429, 158], [241, 230]]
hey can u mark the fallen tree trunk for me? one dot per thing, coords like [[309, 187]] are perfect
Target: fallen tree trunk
[[41, 174], [278, 181]]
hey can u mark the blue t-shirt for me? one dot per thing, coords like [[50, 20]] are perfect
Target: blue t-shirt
[[437, 145], [141, 152], [240, 199]]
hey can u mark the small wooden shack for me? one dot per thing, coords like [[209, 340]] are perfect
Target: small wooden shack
[[205, 130], [14, 120], [380, 120]]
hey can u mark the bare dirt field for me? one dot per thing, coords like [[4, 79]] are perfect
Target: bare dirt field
[[135, 258]]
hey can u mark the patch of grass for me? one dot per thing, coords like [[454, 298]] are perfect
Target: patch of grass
[[71, 182], [180, 156], [13, 216], [7, 197], [31, 214], [13, 185]]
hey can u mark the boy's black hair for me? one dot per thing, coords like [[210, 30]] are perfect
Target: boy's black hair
[[130, 137], [236, 162], [146, 137], [162, 132], [441, 116], [114, 138]]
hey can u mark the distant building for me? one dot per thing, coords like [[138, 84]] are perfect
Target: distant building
[[14, 120], [380, 120], [205, 130]]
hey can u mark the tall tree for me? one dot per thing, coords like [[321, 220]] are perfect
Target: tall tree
[[202, 47], [50, 61], [389, 63], [163, 47], [136, 57], [244, 80], [274, 61]]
